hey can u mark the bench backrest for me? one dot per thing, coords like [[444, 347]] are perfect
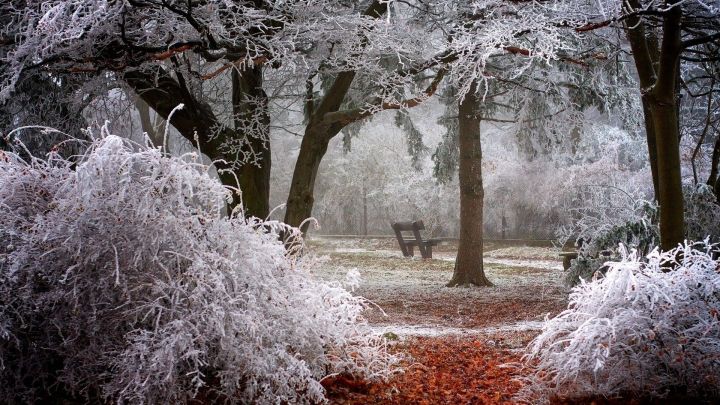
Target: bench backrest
[[410, 226]]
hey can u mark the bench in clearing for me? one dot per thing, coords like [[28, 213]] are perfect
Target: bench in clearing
[[407, 245], [567, 257]]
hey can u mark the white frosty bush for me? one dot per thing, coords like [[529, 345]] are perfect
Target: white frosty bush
[[641, 329], [121, 280]]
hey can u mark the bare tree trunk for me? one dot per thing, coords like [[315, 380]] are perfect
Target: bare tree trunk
[[300, 197], [645, 50], [663, 104], [250, 104], [659, 88], [469, 262]]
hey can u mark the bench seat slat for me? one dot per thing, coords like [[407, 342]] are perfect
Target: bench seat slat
[[433, 242]]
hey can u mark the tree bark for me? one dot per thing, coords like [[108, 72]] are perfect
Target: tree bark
[[469, 262], [300, 197], [663, 104], [250, 103], [645, 50], [657, 66], [197, 122]]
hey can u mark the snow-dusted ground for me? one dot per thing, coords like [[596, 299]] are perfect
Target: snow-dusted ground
[[427, 330], [415, 301]]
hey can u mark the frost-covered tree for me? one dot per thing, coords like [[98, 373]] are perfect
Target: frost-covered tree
[[511, 57], [168, 53], [700, 113], [388, 66], [42, 101], [660, 33], [214, 57]]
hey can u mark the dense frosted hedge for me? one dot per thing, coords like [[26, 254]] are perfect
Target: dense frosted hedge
[[645, 328], [120, 278]]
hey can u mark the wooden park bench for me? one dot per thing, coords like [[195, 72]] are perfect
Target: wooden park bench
[[567, 258], [412, 230]]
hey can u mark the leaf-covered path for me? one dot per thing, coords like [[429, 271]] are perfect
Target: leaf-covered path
[[441, 370], [460, 345]]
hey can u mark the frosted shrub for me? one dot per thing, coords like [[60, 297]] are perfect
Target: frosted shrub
[[642, 329], [122, 280]]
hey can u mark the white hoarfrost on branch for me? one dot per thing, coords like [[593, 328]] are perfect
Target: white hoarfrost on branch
[[122, 280], [641, 329]]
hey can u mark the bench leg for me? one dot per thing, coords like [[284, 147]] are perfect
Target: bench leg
[[566, 262], [428, 251], [410, 251]]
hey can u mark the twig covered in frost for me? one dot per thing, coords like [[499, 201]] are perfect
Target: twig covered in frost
[[638, 330], [123, 280]]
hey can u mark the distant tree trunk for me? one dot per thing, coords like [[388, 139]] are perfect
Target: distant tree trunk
[[146, 122], [365, 213], [469, 262], [197, 123], [703, 135], [712, 180]]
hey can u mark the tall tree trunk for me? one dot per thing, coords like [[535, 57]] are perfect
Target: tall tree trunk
[[147, 123], [645, 50], [250, 104], [663, 104], [469, 262], [651, 137], [300, 197], [657, 66]]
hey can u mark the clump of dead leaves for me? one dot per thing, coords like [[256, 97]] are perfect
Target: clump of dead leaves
[[439, 370]]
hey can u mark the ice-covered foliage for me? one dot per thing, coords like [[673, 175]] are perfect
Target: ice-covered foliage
[[610, 217], [121, 280], [645, 328]]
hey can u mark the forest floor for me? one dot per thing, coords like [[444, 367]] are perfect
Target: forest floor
[[460, 344]]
